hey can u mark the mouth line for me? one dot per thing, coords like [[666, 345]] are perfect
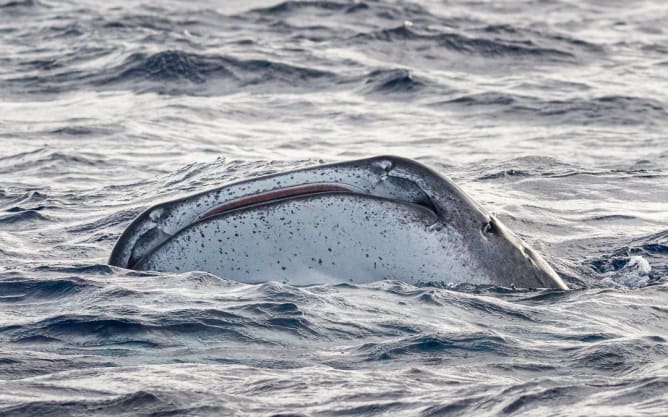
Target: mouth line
[[277, 194], [297, 191]]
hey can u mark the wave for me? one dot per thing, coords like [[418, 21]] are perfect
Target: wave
[[466, 44], [144, 400], [179, 72], [295, 5], [168, 66], [80, 330], [606, 110], [35, 290], [180, 66], [521, 34], [392, 81], [141, 21], [23, 216], [630, 265], [360, 12], [624, 110], [20, 4], [85, 131], [44, 159], [435, 345], [99, 269], [516, 169], [619, 356], [15, 200]]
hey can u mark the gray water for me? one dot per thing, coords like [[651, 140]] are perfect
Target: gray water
[[552, 114]]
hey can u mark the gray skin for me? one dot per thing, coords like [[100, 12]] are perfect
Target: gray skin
[[425, 225]]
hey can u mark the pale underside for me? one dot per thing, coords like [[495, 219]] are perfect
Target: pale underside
[[325, 238]]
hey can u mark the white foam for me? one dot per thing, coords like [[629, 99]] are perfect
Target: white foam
[[634, 274]]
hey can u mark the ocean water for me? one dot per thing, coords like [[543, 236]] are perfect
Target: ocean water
[[551, 113]]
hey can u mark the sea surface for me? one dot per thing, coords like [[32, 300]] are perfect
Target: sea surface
[[551, 113]]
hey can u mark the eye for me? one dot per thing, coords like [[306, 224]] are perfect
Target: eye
[[488, 228]]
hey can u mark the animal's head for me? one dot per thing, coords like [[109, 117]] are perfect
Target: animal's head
[[499, 253]]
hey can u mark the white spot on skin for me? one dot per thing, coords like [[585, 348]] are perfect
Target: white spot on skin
[[155, 215]]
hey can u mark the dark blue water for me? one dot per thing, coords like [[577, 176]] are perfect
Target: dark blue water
[[552, 114]]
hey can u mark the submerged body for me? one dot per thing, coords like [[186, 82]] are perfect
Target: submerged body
[[358, 221]]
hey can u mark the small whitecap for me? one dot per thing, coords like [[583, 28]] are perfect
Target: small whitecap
[[635, 274]]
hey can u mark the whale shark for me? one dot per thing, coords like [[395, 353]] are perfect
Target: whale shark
[[360, 221]]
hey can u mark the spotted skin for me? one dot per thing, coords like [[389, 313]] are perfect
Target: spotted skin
[[326, 238], [334, 223]]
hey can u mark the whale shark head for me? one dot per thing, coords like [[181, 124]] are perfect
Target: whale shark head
[[495, 254]]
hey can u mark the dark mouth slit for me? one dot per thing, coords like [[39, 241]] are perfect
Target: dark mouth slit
[[293, 192], [273, 195]]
